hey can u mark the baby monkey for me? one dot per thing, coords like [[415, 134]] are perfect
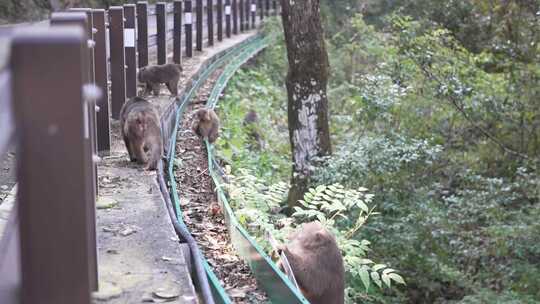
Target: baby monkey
[[154, 75], [141, 131], [317, 264], [206, 124]]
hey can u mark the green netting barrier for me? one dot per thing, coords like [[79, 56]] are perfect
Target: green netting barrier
[[219, 293], [277, 286]]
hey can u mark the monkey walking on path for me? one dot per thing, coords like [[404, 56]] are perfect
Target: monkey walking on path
[[317, 264], [141, 130], [206, 124], [154, 75]]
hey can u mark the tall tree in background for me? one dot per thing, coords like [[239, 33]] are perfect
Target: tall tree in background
[[306, 89]]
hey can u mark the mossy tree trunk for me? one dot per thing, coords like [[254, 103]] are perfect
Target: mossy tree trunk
[[306, 89]]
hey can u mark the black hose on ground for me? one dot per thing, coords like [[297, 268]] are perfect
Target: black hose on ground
[[184, 234]]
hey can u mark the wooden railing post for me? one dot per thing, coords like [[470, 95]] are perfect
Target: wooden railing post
[[274, 6], [161, 23], [260, 6], [267, 7], [220, 20], [118, 62], [247, 4], [142, 33], [188, 17], [177, 36], [89, 27], [228, 18], [74, 17], [100, 61], [82, 18], [199, 25], [130, 50], [210, 21], [55, 188], [242, 11], [253, 9], [235, 16]]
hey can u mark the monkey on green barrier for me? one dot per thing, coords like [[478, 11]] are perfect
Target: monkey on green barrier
[[316, 262]]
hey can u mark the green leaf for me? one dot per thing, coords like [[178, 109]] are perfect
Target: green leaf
[[320, 188], [363, 206], [366, 261], [386, 280], [376, 279], [397, 278], [332, 188], [364, 276], [378, 267], [388, 270]]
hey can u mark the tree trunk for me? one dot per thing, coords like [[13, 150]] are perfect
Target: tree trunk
[[306, 89]]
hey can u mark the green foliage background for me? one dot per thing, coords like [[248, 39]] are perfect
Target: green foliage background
[[435, 108]]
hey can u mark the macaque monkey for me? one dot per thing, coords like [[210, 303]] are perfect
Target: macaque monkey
[[141, 130], [206, 124], [154, 75], [317, 264], [250, 121]]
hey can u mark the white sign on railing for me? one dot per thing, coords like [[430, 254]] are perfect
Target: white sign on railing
[[227, 10], [187, 18], [129, 37], [253, 8]]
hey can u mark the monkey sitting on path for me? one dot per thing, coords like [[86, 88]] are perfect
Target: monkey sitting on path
[[141, 130], [317, 264], [206, 124], [154, 75]]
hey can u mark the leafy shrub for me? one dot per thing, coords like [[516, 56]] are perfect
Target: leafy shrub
[[343, 211]]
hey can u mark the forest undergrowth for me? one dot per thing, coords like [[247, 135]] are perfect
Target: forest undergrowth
[[436, 140]]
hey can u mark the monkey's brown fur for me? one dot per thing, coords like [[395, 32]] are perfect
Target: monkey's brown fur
[[250, 122], [141, 131], [154, 75], [317, 264], [206, 124]]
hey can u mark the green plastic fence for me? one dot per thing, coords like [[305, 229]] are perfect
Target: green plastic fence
[[277, 286]]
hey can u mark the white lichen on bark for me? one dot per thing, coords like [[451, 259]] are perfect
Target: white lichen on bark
[[305, 139]]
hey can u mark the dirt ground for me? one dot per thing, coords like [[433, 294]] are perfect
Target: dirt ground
[[201, 210]]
